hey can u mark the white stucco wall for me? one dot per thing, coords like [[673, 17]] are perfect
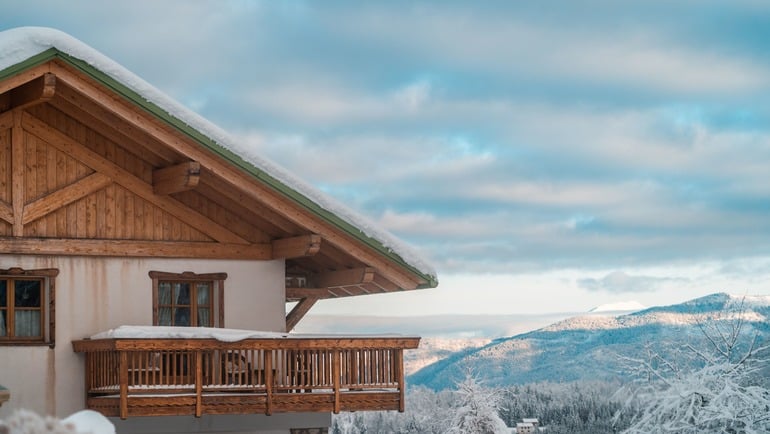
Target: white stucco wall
[[96, 294]]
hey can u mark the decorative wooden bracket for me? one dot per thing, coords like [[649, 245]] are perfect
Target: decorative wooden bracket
[[299, 311], [34, 92], [174, 179], [297, 247]]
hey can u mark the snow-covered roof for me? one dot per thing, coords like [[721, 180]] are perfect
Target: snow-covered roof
[[220, 334], [26, 46]]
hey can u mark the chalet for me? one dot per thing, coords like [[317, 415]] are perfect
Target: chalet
[[125, 219]]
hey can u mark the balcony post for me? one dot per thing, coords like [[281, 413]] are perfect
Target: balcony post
[[401, 381], [269, 379], [123, 373], [198, 383], [336, 378]]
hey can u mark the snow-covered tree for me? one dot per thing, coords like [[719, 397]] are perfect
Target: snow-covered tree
[[712, 387], [477, 411], [27, 422]]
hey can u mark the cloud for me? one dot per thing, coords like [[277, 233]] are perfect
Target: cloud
[[619, 282]]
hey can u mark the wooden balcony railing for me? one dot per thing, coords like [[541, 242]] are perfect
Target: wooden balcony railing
[[154, 377]]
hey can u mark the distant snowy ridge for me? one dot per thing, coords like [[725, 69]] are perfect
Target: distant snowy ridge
[[621, 306], [587, 347]]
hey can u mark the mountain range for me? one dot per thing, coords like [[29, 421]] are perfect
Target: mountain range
[[592, 346]]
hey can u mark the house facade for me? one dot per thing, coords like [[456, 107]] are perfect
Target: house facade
[[118, 207]]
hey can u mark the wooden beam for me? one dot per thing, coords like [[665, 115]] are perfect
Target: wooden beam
[[236, 178], [298, 312], [121, 176], [351, 277], [18, 143], [173, 179], [296, 294], [6, 212], [165, 249], [34, 92], [65, 196], [297, 247]]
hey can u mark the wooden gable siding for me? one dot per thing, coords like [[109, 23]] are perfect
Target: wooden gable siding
[[111, 211]]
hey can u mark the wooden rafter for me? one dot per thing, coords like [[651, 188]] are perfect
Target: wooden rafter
[[121, 176], [351, 277], [177, 178], [297, 247], [298, 312], [65, 196], [296, 294], [37, 91], [168, 249]]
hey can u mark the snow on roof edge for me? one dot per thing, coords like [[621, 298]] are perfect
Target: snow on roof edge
[[20, 44], [220, 334]]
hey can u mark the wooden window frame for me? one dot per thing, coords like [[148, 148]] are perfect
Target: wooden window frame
[[217, 293], [47, 306]]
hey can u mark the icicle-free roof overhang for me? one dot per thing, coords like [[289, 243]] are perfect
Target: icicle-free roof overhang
[[25, 48]]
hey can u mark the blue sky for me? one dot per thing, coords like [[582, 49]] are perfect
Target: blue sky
[[547, 156]]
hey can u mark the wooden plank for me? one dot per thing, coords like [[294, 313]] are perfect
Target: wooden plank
[[65, 196], [129, 181], [353, 276], [106, 124], [236, 178], [298, 312], [17, 169], [296, 294], [173, 179], [296, 247], [103, 247]]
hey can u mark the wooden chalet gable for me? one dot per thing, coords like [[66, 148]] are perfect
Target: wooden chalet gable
[[87, 167]]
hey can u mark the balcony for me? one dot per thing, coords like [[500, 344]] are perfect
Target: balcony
[[126, 377]]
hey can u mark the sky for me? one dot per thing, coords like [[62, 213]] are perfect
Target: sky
[[545, 156]]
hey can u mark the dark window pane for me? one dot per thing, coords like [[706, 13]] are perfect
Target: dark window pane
[[26, 293], [182, 293], [3, 293], [3, 323], [182, 316]]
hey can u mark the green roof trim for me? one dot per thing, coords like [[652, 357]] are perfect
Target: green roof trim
[[228, 155]]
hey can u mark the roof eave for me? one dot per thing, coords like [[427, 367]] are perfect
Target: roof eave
[[429, 280]]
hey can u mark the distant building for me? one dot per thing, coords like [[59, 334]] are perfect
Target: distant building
[[528, 426]]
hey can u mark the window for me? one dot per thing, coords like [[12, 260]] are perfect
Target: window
[[188, 299], [27, 306]]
